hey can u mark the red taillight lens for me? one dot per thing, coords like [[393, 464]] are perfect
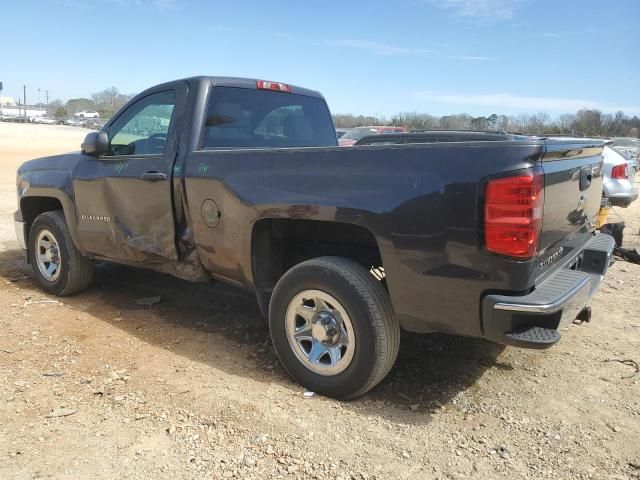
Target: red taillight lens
[[620, 172], [513, 214], [276, 86]]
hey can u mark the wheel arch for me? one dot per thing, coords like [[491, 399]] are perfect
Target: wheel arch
[[277, 244], [35, 203]]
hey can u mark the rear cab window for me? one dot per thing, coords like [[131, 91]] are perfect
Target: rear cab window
[[247, 118]]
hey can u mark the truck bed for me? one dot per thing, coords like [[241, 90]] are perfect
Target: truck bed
[[420, 202]]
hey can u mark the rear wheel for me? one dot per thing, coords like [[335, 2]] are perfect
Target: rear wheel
[[333, 327], [59, 267]]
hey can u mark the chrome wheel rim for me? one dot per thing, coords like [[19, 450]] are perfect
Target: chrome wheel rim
[[320, 332], [48, 255]]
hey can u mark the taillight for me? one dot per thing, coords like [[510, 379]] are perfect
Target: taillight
[[620, 171], [276, 86], [513, 214]]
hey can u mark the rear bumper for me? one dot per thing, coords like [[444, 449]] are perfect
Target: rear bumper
[[555, 301], [623, 199]]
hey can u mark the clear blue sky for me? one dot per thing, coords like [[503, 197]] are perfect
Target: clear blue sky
[[367, 57]]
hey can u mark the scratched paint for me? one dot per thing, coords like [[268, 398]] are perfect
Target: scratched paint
[[120, 167]]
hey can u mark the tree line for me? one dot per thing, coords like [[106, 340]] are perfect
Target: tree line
[[106, 102], [584, 123]]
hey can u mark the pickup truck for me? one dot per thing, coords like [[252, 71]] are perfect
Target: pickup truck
[[242, 181]]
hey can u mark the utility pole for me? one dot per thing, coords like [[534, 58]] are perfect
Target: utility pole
[[46, 93], [39, 101], [24, 98]]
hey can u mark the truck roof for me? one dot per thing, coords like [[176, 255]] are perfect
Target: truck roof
[[240, 82]]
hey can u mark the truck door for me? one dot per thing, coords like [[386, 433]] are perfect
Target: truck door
[[123, 198]]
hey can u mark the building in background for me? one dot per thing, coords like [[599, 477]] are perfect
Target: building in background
[[10, 108], [7, 102]]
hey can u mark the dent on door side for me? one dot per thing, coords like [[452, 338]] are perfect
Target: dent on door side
[[117, 237], [138, 230]]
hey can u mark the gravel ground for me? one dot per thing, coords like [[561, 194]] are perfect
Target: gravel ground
[[97, 386]]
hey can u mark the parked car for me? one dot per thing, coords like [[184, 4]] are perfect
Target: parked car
[[87, 114], [341, 131], [355, 134], [343, 247], [628, 146], [618, 186], [44, 120], [73, 122], [94, 124]]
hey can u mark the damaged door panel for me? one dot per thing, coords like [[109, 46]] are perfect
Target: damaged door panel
[[124, 197]]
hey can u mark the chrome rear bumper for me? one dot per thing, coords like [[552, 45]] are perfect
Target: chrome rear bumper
[[554, 302]]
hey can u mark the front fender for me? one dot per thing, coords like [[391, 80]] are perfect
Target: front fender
[[49, 178]]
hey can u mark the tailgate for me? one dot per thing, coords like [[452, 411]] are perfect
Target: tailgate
[[573, 190]]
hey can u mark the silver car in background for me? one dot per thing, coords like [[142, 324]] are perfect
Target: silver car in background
[[618, 186], [628, 146]]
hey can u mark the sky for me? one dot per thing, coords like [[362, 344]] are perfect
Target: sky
[[367, 57]]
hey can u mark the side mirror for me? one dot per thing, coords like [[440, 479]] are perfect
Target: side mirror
[[95, 144]]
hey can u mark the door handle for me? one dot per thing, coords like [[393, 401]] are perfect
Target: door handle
[[153, 176]]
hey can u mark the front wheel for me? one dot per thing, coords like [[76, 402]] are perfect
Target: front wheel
[[59, 267], [333, 327]]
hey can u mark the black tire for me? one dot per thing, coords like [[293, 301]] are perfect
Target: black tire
[[366, 302], [76, 271]]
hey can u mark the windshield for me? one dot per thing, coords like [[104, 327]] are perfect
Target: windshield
[[358, 133], [246, 118], [626, 142]]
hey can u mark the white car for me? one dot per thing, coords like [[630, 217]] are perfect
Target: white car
[[628, 146], [87, 114], [44, 120]]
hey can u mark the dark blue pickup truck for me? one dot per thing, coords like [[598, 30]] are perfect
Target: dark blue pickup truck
[[242, 181]]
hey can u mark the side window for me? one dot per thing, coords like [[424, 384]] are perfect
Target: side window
[[142, 128]]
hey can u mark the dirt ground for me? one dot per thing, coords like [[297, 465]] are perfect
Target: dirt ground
[[190, 388]]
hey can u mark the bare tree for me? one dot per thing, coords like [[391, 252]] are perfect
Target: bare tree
[[53, 106], [589, 122], [455, 122], [414, 121], [502, 123], [519, 123], [538, 123], [351, 121], [566, 123]]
